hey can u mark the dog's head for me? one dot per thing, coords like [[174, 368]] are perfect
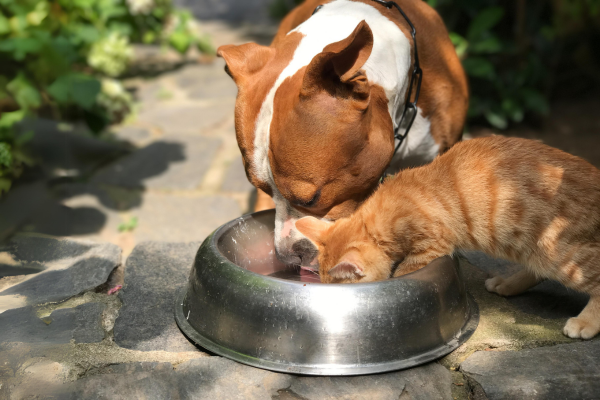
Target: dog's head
[[314, 133]]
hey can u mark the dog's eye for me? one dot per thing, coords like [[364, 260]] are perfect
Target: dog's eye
[[310, 203]]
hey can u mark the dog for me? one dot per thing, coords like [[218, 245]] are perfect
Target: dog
[[316, 110]]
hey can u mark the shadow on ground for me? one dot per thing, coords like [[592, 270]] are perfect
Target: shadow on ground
[[73, 164]]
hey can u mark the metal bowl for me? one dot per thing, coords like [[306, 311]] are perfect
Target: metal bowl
[[242, 303]]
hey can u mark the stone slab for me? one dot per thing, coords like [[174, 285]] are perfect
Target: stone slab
[[154, 275], [567, 371], [177, 163], [549, 299], [17, 206], [83, 324], [69, 150], [132, 134], [174, 119], [55, 269], [235, 178], [206, 81], [182, 219], [210, 378], [428, 382]]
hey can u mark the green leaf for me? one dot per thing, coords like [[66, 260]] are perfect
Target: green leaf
[[489, 46], [513, 109], [496, 119], [25, 94], [479, 67], [5, 185], [39, 13], [79, 89], [460, 44], [85, 91], [535, 101], [8, 119], [4, 25], [483, 22], [204, 44], [20, 47], [432, 3], [128, 225], [5, 155], [180, 41]]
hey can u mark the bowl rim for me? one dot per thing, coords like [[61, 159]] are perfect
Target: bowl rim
[[214, 237]]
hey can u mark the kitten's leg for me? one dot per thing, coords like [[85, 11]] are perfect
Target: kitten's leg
[[404, 268], [515, 284], [587, 324]]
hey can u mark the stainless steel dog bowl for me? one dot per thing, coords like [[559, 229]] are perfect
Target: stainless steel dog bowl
[[243, 304]]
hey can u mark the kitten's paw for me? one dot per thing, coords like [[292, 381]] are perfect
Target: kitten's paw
[[581, 328], [495, 285]]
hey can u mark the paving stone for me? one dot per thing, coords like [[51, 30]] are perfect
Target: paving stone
[[67, 268], [154, 275], [235, 178], [548, 299], [173, 119], [182, 219], [179, 163], [218, 378], [567, 371], [429, 382], [67, 153], [83, 324], [207, 82], [133, 134], [230, 10], [19, 204]]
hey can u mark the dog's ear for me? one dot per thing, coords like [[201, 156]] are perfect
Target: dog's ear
[[244, 60], [341, 62], [314, 229], [350, 266]]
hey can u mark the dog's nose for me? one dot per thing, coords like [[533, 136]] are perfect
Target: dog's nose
[[304, 249], [301, 252]]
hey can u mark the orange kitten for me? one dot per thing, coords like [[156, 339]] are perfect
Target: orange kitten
[[510, 198]]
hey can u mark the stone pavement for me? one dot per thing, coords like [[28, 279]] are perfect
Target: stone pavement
[[65, 334]]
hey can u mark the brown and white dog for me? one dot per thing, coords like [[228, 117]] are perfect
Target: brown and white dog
[[316, 110]]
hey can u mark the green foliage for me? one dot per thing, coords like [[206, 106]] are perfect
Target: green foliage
[[128, 226], [509, 51], [58, 58]]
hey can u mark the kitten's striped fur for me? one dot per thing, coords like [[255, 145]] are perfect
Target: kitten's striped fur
[[510, 198]]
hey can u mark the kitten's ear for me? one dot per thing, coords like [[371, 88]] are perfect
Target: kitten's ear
[[313, 228], [349, 267], [346, 270]]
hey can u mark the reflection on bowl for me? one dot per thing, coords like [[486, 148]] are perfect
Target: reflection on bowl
[[242, 303]]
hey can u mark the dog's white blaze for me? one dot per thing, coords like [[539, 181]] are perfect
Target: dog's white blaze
[[387, 66]]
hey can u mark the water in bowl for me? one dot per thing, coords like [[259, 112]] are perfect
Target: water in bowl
[[250, 245]]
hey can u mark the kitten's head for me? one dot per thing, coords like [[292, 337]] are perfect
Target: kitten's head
[[347, 253]]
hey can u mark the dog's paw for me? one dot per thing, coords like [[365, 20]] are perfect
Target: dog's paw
[[577, 327]]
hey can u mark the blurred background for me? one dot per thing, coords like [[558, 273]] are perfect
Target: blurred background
[[116, 119]]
